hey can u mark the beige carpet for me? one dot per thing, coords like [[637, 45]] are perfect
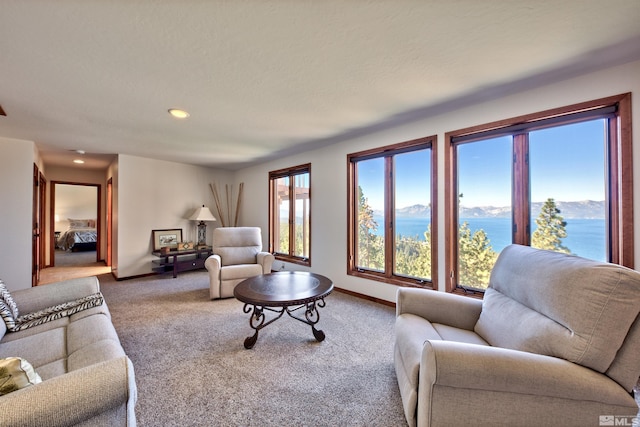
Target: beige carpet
[[193, 370]]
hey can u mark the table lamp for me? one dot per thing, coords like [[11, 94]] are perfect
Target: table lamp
[[202, 214]]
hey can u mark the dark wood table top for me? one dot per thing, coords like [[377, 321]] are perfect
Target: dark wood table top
[[282, 289]]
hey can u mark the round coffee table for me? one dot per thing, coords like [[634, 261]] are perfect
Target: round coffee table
[[288, 290]]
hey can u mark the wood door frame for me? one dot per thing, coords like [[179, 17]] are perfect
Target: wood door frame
[[109, 257], [38, 210]]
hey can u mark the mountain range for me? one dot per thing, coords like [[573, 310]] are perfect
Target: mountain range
[[586, 209]]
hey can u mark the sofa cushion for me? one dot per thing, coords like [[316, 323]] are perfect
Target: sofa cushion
[[559, 305], [39, 349], [89, 330], [35, 299], [450, 333], [16, 373], [234, 256], [53, 369], [241, 271], [237, 245], [93, 353], [625, 369]]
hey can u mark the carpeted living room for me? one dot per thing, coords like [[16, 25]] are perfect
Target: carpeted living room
[[192, 368]]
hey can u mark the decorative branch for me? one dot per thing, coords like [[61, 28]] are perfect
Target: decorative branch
[[226, 188], [224, 220], [216, 199], [235, 224]]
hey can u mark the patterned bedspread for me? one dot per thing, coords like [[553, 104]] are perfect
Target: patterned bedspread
[[77, 235]]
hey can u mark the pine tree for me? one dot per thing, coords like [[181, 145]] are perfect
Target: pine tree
[[476, 257], [413, 256], [551, 229], [370, 246]]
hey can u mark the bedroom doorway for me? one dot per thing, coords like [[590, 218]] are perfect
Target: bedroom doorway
[[75, 221]]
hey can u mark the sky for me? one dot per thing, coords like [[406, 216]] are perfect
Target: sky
[[567, 164], [413, 177]]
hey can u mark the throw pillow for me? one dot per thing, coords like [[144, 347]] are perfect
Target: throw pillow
[[56, 312], [8, 299], [7, 316], [16, 373]]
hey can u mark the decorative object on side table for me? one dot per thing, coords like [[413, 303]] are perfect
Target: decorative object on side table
[[185, 246], [202, 214], [166, 238]]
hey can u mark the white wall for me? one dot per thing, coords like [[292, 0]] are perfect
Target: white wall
[[155, 194], [112, 173], [16, 191], [75, 202], [329, 168]]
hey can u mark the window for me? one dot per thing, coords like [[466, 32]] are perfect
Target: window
[[391, 206], [290, 214], [557, 180]]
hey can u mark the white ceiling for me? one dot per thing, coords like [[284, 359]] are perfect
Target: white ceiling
[[270, 78]]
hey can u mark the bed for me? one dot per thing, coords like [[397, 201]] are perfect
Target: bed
[[81, 236]]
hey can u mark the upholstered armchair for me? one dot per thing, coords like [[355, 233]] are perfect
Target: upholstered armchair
[[555, 341], [237, 255]]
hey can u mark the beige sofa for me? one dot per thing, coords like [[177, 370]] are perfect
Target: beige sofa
[[86, 377], [556, 341], [237, 255]]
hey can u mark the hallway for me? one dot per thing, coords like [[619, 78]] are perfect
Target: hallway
[[70, 265]]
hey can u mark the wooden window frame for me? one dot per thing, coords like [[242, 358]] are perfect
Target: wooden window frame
[[273, 176], [387, 152], [619, 169]]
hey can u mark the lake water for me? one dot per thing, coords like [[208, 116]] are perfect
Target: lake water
[[585, 237]]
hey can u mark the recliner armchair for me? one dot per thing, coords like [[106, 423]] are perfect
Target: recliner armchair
[[237, 255], [555, 341]]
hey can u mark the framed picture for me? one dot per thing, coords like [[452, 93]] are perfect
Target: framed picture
[[166, 238]]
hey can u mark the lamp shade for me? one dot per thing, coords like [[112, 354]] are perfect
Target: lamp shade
[[202, 214]]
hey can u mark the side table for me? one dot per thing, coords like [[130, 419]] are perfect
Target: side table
[[180, 260]]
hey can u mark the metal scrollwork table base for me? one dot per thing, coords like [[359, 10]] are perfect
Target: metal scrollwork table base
[[297, 293]]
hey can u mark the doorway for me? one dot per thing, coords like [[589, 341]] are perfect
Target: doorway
[[75, 221]]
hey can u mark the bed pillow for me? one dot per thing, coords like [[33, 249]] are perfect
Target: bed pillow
[[16, 373], [78, 223]]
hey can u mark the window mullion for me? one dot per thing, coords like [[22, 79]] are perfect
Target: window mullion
[[292, 217], [521, 191], [389, 240]]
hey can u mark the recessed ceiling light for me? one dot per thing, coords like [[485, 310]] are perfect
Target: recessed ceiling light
[[80, 151], [178, 114], [78, 161]]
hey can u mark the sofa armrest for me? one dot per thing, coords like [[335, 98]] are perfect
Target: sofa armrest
[[40, 297], [439, 307], [265, 259], [493, 369], [74, 397], [213, 264]]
